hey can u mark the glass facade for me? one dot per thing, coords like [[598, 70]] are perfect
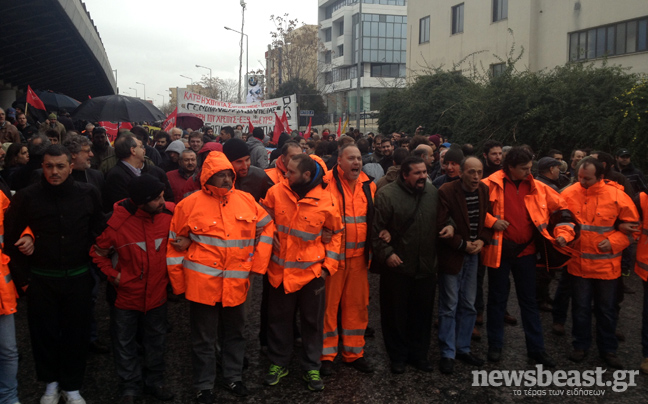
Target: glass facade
[[608, 40], [384, 38]]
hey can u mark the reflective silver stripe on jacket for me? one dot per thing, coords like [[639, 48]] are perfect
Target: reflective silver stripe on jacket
[[294, 264], [174, 260], [304, 235], [194, 266], [217, 242], [355, 219], [599, 256], [596, 229]]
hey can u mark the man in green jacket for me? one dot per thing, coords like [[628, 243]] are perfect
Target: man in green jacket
[[404, 237]]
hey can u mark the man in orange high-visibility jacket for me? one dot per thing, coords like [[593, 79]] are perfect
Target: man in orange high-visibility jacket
[[599, 206], [348, 290], [302, 207], [228, 236], [278, 172], [521, 207], [641, 269]]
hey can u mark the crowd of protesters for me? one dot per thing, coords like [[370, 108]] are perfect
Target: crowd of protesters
[[190, 215]]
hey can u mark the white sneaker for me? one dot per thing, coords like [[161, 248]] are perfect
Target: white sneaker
[[50, 398], [68, 400]]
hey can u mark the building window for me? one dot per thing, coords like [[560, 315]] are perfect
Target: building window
[[497, 69], [608, 40], [341, 28], [340, 51], [424, 29], [327, 35], [388, 70], [328, 78], [327, 57], [458, 18], [500, 10], [382, 42]]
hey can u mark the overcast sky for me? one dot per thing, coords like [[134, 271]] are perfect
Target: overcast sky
[[156, 41]]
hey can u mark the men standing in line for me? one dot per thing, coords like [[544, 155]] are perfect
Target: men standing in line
[[64, 217], [605, 213], [520, 206], [218, 236], [301, 207], [137, 232], [466, 202], [347, 291], [407, 210]]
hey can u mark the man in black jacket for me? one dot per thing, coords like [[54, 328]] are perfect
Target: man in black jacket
[[64, 217], [249, 178], [625, 167]]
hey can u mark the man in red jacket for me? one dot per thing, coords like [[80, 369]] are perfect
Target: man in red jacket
[[137, 236]]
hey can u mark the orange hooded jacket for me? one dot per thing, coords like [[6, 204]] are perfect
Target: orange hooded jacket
[[8, 291], [641, 264]]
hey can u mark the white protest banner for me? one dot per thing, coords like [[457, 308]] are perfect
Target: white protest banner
[[218, 113]]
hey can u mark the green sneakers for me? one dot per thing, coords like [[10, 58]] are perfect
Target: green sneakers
[[315, 383], [275, 374]]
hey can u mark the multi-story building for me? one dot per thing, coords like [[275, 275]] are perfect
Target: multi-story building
[[382, 57], [292, 57], [482, 34]]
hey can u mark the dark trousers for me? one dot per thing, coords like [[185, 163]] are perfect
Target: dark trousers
[[130, 368], [524, 275], [603, 293], [59, 325], [544, 277], [562, 297], [263, 328], [406, 306], [281, 311], [479, 297], [204, 320]]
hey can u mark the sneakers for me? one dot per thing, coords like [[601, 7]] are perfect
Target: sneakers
[[275, 373], [312, 378], [70, 400], [205, 397], [644, 366], [361, 365], [50, 398], [237, 388]]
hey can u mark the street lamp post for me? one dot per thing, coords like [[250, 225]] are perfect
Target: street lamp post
[[210, 79], [162, 98], [190, 79], [131, 88], [144, 85], [247, 56], [241, 52]]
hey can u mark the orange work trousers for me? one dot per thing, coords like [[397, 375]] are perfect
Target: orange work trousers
[[347, 291]]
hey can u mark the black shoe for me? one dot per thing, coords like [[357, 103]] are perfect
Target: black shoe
[[361, 365], [612, 360], [159, 392], [543, 359], [205, 397], [469, 359], [509, 319], [369, 332], [326, 369], [494, 354], [98, 348], [127, 399], [446, 366], [398, 368], [577, 355], [237, 388], [423, 365]]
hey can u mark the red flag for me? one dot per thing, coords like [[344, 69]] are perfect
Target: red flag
[[251, 128], [308, 131], [284, 122], [339, 130], [33, 99], [170, 122], [278, 128]]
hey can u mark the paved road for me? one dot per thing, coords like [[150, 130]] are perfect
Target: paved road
[[349, 386]]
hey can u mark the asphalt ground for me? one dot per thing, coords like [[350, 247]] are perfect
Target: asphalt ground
[[347, 385]]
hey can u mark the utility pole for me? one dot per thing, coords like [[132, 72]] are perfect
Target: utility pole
[[358, 99], [241, 53]]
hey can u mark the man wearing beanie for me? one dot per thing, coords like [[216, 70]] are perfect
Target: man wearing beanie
[[137, 232], [258, 153], [249, 178], [218, 237], [452, 159], [53, 123]]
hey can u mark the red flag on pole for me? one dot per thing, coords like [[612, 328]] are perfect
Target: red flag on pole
[[278, 128], [33, 99], [308, 131], [251, 128], [339, 130], [170, 122], [284, 122]]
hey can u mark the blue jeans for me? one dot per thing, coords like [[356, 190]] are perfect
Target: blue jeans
[[603, 291], [562, 297], [457, 312], [8, 360], [644, 322], [499, 285]]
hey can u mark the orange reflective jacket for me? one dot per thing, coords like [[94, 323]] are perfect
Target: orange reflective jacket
[[356, 209], [223, 226], [299, 223], [277, 173], [541, 202], [641, 264], [8, 292], [597, 209]]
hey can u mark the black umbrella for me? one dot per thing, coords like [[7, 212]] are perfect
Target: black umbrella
[[53, 101], [117, 108]]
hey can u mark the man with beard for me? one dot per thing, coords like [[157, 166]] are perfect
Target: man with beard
[[178, 178], [25, 129], [278, 172], [101, 148], [633, 174], [407, 210], [162, 141], [387, 149], [492, 157], [302, 207], [249, 178]]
